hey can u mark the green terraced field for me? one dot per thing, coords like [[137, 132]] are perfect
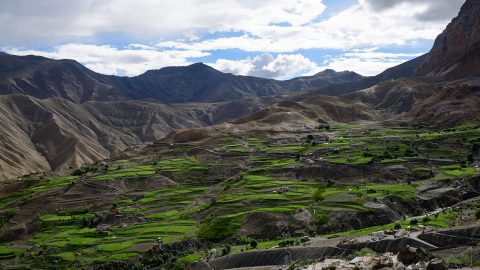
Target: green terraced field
[[195, 203]]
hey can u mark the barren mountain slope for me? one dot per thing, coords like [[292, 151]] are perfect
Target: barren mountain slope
[[39, 135], [284, 117], [456, 52]]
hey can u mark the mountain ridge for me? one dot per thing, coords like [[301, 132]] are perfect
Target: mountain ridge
[[43, 78]]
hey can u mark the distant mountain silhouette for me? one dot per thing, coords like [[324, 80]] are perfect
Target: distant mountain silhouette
[[43, 78]]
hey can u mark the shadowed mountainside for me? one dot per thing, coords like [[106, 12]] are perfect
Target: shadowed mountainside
[[44, 78], [456, 52]]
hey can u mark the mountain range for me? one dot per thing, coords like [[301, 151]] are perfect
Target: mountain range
[[58, 114], [45, 78]]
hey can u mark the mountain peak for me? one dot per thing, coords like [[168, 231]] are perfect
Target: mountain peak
[[193, 68], [199, 65], [327, 71]]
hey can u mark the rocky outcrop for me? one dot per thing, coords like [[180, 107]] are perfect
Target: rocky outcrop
[[410, 255], [273, 257], [436, 264], [387, 245], [456, 52], [453, 237], [271, 226]]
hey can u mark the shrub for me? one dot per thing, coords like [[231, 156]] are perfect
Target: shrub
[[320, 218], [475, 146], [477, 214], [397, 226], [253, 244], [77, 172], [243, 240], [226, 250], [330, 183], [287, 243], [318, 194], [364, 251], [323, 127], [413, 222], [410, 153]]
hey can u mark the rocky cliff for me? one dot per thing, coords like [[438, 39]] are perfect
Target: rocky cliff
[[456, 52]]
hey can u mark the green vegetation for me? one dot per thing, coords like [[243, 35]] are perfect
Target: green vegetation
[[457, 171], [66, 256], [8, 252], [214, 194], [441, 220], [136, 171], [181, 165], [57, 218], [115, 246], [220, 227], [364, 251], [116, 257]]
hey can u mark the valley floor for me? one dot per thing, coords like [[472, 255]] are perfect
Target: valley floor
[[238, 193]]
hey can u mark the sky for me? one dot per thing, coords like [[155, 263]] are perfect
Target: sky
[[278, 39]]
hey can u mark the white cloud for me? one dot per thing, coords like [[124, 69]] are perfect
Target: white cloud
[[187, 29], [283, 66], [137, 58], [368, 62], [264, 26], [366, 67], [355, 27], [25, 21], [129, 61]]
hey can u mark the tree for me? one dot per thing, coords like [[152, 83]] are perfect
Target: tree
[[470, 158], [226, 250], [318, 194], [397, 226], [253, 243], [475, 146]]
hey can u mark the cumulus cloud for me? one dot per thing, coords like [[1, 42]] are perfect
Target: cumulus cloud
[[178, 31], [283, 66], [25, 21], [368, 62], [283, 25], [360, 25], [130, 61], [135, 59]]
